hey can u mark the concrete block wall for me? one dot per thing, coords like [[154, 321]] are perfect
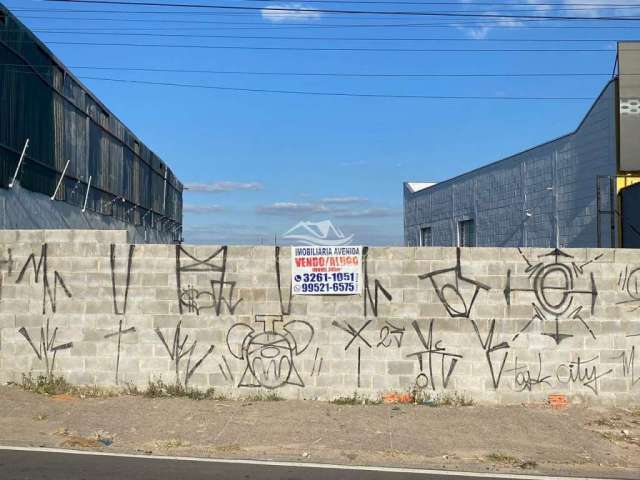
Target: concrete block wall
[[497, 325]]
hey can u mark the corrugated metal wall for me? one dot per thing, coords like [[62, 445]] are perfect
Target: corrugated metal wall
[[64, 122], [519, 201]]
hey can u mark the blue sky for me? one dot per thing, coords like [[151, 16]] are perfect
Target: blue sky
[[258, 163]]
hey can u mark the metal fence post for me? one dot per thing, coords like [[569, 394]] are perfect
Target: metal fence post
[[64, 170], [24, 150]]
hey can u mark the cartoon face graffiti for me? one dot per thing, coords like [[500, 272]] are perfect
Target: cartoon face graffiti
[[269, 354]]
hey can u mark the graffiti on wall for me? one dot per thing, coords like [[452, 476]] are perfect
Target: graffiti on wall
[[270, 350], [120, 306], [582, 372], [492, 349], [378, 289], [628, 361], [457, 293], [390, 334], [179, 349], [628, 281], [428, 358], [285, 305], [6, 263], [554, 285], [41, 274], [218, 293], [47, 348], [277, 348], [525, 378], [356, 339]]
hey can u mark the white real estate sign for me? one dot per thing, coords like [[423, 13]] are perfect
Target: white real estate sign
[[326, 270]]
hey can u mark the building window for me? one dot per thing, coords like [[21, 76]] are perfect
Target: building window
[[426, 240], [3, 19], [466, 233]]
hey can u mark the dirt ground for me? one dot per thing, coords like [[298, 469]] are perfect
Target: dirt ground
[[520, 439]]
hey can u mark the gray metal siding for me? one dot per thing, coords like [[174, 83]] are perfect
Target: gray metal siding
[[556, 178]]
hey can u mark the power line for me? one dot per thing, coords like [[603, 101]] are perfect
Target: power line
[[504, 4], [372, 39], [336, 94], [282, 25], [315, 93], [465, 9], [283, 18], [247, 13], [352, 12], [463, 4], [331, 74], [330, 49]]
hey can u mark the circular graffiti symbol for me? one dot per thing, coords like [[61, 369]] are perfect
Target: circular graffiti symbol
[[553, 288], [632, 284], [453, 298], [422, 381]]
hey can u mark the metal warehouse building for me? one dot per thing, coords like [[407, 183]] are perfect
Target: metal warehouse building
[[65, 160], [575, 191]]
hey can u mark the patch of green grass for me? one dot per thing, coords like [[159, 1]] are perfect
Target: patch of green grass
[[159, 389], [259, 396], [355, 399], [45, 385], [58, 385]]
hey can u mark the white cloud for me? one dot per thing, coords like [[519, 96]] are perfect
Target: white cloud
[[369, 213], [344, 200], [299, 12], [202, 209], [336, 209], [576, 8], [593, 8], [257, 234], [542, 5], [481, 32], [215, 187], [291, 208]]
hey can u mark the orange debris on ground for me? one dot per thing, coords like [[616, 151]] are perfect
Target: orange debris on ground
[[558, 401], [394, 397]]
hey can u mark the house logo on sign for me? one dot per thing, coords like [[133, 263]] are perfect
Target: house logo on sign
[[323, 233]]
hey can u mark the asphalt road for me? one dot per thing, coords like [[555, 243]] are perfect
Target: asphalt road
[[39, 465]]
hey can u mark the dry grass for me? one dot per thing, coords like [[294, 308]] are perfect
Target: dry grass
[[445, 399], [355, 399], [506, 459], [259, 396], [173, 443]]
